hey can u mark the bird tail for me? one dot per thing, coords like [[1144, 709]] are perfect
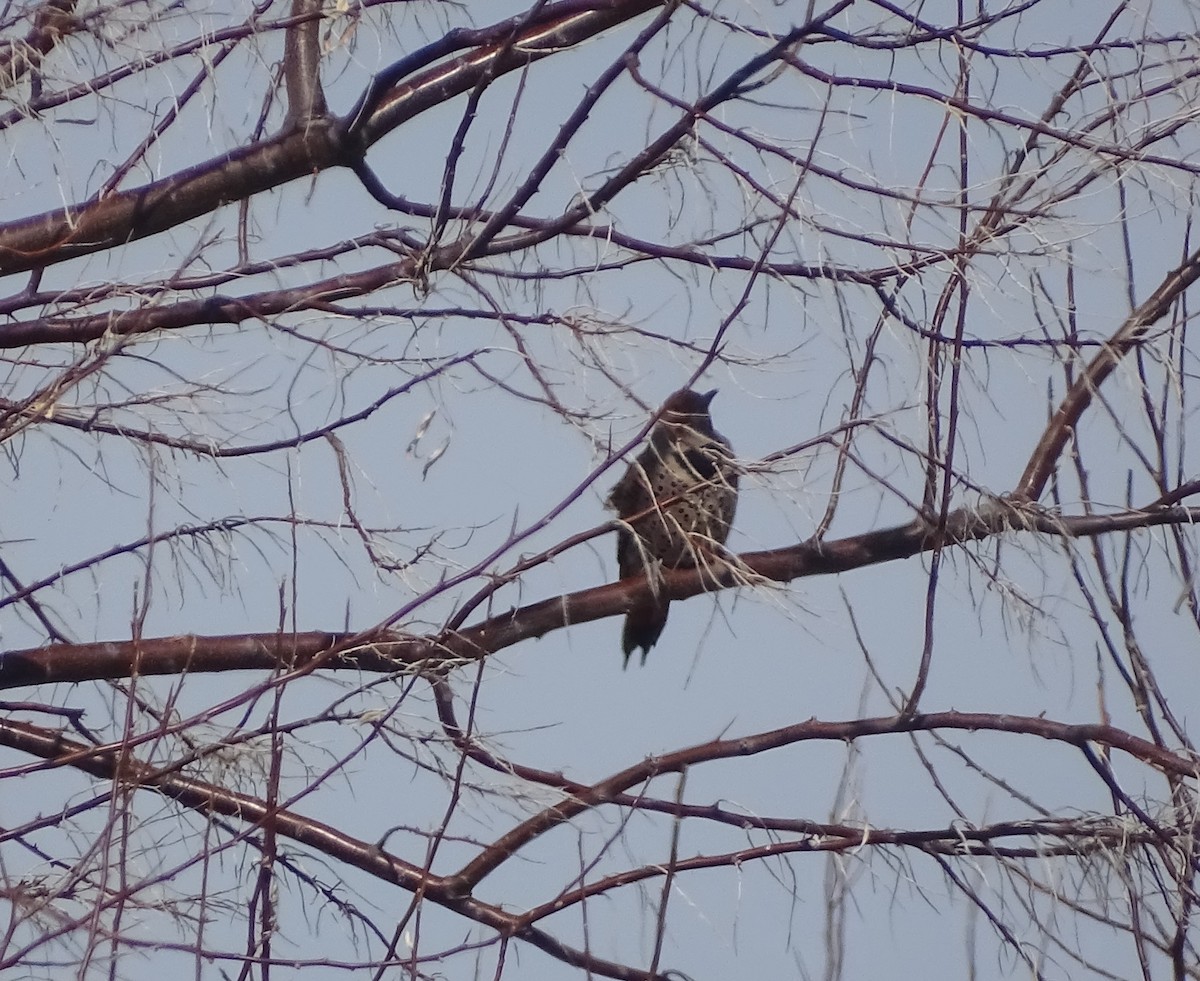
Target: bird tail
[[643, 626]]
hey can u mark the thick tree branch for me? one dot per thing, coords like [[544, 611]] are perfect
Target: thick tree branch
[[78, 230], [385, 651], [644, 771], [302, 65], [116, 764], [1045, 456]]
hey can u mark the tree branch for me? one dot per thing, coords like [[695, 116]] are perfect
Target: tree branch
[[78, 230], [385, 651]]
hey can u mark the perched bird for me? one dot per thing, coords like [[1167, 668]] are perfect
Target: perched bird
[[677, 501]]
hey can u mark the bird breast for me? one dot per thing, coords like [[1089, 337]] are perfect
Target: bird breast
[[695, 498]]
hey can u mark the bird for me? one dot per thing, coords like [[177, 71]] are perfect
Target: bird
[[675, 505]]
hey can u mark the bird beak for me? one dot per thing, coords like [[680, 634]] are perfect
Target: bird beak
[[707, 397]]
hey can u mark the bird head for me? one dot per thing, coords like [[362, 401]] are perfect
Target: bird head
[[688, 409], [685, 403]]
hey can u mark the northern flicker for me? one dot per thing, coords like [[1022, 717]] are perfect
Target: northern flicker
[[677, 500]]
